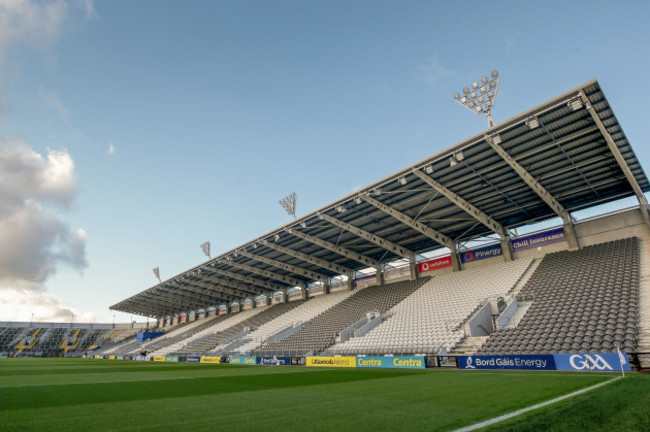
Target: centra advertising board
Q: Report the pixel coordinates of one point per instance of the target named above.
(411, 362)
(243, 360)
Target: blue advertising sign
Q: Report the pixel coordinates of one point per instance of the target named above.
(528, 362)
(601, 362)
(193, 359)
(275, 361)
(171, 358)
(412, 362)
(243, 360)
(539, 239)
(481, 253)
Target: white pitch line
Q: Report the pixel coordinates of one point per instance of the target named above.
(513, 414)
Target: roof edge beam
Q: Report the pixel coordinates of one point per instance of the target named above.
(619, 157)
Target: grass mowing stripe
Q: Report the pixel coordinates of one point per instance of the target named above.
(147, 379)
(522, 411)
(76, 394)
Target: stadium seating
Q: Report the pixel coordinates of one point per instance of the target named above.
(582, 301)
(236, 325)
(301, 314)
(321, 332)
(431, 318)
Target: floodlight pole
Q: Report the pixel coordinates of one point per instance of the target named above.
(288, 203)
(481, 97)
(205, 247)
(156, 272)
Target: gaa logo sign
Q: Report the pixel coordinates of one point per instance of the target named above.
(589, 362)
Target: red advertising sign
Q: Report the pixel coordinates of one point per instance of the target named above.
(434, 264)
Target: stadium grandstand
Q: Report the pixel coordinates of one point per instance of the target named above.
(475, 249)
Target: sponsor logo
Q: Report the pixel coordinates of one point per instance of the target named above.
(362, 361)
(534, 362)
(539, 239)
(159, 358)
(481, 253)
(589, 362)
(275, 361)
(416, 362)
(332, 361)
(434, 264)
(410, 363)
(212, 360)
(111, 357)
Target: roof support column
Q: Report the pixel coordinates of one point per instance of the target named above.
(545, 195)
(413, 268)
(506, 247)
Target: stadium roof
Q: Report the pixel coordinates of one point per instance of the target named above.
(566, 154)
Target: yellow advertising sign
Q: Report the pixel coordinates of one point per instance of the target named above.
(211, 360)
(111, 357)
(332, 361)
(159, 358)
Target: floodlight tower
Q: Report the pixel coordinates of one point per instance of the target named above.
(205, 247)
(156, 272)
(288, 203)
(481, 97)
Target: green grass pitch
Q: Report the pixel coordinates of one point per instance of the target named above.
(88, 394)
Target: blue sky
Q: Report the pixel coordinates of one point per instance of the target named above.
(187, 121)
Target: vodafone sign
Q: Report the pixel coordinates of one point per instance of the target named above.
(434, 264)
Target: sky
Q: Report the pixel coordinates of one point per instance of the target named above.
(133, 131)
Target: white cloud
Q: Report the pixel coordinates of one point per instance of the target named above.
(20, 304)
(111, 149)
(34, 243)
(434, 72)
(36, 24)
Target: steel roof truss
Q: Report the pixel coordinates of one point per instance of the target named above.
(266, 273)
(286, 267)
(468, 207)
(373, 238)
(341, 250)
(336, 268)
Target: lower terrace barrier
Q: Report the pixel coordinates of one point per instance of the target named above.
(595, 362)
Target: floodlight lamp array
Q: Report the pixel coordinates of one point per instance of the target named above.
(481, 97)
